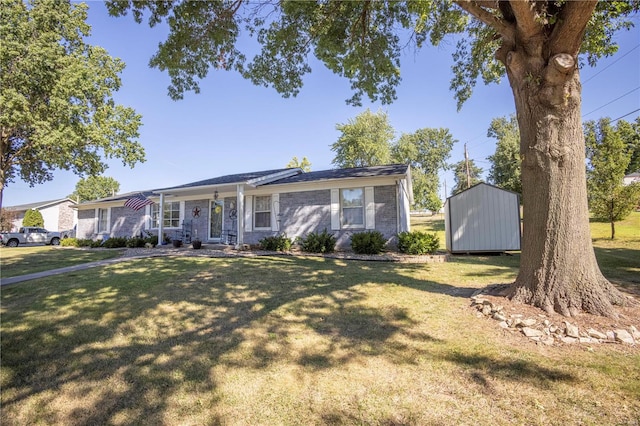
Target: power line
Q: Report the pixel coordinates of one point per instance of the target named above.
(608, 66)
(629, 113)
(609, 103)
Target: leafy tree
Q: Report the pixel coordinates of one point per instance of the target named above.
(630, 133)
(460, 176)
(33, 217)
(427, 151)
(305, 164)
(365, 141)
(535, 43)
(95, 187)
(6, 219)
(505, 162)
(608, 158)
(57, 107)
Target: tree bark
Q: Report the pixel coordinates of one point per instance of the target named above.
(558, 269)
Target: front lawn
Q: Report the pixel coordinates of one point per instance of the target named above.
(27, 260)
(293, 341)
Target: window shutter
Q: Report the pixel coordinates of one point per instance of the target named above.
(275, 212)
(370, 208)
(95, 221)
(147, 216)
(335, 209)
(248, 213)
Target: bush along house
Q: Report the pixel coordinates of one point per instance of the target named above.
(244, 208)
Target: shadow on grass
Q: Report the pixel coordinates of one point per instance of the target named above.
(129, 337)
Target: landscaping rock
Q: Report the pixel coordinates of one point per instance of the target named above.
(529, 322)
(503, 324)
(624, 336)
(547, 340)
(596, 334)
(571, 330)
(635, 333)
(532, 332)
(499, 316)
(568, 340)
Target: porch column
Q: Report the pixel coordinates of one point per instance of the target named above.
(240, 210)
(161, 220)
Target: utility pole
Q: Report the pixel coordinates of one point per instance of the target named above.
(466, 161)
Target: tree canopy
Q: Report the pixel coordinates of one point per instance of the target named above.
(505, 162)
(368, 140)
(303, 164)
(630, 134)
(94, 187)
(460, 176)
(427, 151)
(608, 157)
(56, 105)
(365, 141)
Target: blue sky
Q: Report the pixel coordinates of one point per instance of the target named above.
(233, 126)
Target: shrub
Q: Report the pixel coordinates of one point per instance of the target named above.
(136, 242)
(95, 244)
(115, 242)
(417, 242)
(322, 242)
(33, 218)
(69, 242)
(84, 242)
(276, 243)
(368, 242)
(152, 239)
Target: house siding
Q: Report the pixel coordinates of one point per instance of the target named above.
(305, 212)
(126, 222)
(86, 226)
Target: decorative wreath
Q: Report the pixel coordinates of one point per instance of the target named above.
(233, 213)
(195, 212)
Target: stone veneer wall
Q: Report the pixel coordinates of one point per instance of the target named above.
(66, 216)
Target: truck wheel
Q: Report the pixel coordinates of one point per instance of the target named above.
(12, 243)
(55, 241)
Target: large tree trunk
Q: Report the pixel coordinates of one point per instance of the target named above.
(558, 268)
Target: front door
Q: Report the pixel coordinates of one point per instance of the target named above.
(215, 220)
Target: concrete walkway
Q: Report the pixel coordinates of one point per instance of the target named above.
(42, 274)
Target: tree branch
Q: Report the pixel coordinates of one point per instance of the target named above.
(526, 19)
(569, 31)
(473, 8)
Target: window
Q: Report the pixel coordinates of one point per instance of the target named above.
(262, 212)
(171, 215)
(352, 207)
(103, 220)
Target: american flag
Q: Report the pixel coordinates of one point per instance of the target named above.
(137, 202)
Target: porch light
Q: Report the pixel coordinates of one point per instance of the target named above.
(215, 195)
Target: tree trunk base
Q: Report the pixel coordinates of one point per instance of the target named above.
(596, 298)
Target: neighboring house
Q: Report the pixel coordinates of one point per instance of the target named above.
(244, 208)
(631, 178)
(483, 218)
(59, 215)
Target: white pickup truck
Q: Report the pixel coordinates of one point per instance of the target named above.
(30, 235)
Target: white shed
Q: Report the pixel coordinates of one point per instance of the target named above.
(483, 218)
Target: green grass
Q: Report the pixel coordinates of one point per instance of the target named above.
(291, 341)
(298, 341)
(27, 260)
